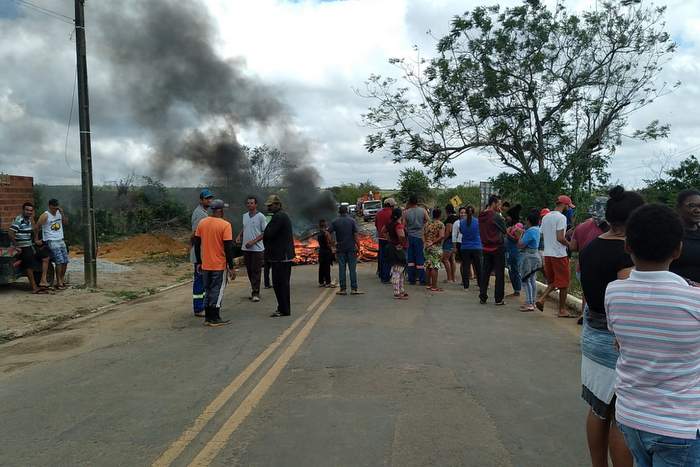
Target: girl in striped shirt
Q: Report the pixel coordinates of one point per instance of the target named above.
(655, 317)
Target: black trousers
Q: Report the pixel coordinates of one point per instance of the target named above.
(469, 258)
(281, 277)
(493, 262)
(266, 274)
(253, 266)
(324, 271)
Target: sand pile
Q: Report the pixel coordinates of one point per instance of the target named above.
(142, 246)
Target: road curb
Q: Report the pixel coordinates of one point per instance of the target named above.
(55, 323)
(572, 301)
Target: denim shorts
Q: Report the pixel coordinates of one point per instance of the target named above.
(652, 450)
(59, 252)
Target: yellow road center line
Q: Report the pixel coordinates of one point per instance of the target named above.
(221, 438)
(179, 445)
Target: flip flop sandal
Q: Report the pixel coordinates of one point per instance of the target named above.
(400, 297)
(437, 289)
(567, 316)
(41, 291)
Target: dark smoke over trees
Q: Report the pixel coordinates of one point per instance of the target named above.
(193, 104)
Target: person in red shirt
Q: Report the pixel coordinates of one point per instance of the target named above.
(382, 219)
(213, 248)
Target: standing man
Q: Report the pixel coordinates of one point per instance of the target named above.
(251, 236)
(492, 228)
(415, 218)
(22, 236)
(199, 213)
(279, 252)
(556, 258)
(382, 220)
(51, 223)
(347, 245)
(213, 248)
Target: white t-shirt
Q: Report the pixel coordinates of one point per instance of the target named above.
(456, 234)
(253, 227)
(550, 224)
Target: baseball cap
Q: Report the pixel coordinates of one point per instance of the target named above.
(273, 199)
(563, 199)
(217, 204)
(544, 212)
(390, 202)
(206, 193)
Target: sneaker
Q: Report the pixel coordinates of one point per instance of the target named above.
(501, 303)
(268, 286)
(277, 314)
(200, 314)
(217, 323)
(357, 292)
(341, 292)
(482, 302)
(255, 299)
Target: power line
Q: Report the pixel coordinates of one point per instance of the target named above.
(70, 118)
(51, 13)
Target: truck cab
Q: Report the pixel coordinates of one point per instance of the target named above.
(370, 209)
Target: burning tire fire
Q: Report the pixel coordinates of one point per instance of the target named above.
(307, 250)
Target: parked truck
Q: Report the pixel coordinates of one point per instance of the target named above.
(368, 205)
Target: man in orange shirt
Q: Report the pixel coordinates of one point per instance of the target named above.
(213, 248)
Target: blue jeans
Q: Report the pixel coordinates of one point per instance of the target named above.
(384, 266)
(416, 260)
(347, 258)
(530, 286)
(197, 292)
(652, 450)
(514, 270)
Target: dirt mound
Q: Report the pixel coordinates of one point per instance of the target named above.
(142, 246)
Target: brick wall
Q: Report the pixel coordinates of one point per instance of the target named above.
(14, 191)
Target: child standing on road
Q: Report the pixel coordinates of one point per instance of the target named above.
(655, 317)
(325, 255)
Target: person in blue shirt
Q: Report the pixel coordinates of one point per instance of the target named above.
(530, 260)
(470, 249)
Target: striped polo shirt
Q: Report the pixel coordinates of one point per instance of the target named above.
(655, 317)
(24, 231)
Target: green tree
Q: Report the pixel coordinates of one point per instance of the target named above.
(545, 93)
(349, 192)
(683, 177)
(469, 194)
(414, 182)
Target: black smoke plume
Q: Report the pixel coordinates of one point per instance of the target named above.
(193, 104)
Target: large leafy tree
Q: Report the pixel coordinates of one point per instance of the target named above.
(546, 93)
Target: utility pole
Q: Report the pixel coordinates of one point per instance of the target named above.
(89, 237)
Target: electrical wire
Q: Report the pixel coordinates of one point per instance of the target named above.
(53, 14)
(70, 119)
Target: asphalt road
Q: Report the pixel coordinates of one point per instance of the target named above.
(346, 381)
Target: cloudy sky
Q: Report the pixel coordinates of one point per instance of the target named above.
(311, 54)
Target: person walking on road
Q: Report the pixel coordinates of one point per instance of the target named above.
(434, 235)
(199, 213)
(380, 222)
(492, 228)
(51, 223)
(414, 219)
(325, 255)
(470, 247)
(603, 261)
(347, 246)
(213, 248)
(556, 256)
(250, 239)
(655, 318)
(279, 252)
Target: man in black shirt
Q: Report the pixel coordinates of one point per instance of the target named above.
(278, 239)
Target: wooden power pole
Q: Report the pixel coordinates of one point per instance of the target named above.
(89, 237)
